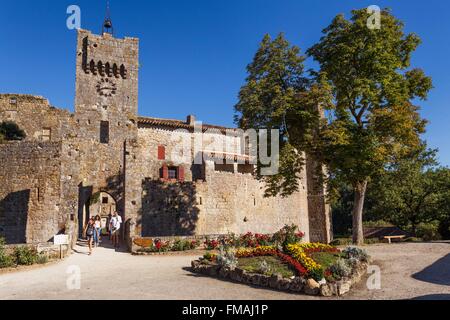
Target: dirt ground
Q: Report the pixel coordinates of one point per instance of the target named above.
(408, 271)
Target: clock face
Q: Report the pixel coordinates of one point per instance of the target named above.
(106, 87)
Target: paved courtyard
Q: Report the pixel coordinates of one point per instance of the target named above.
(418, 271)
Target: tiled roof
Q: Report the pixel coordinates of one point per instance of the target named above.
(177, 124)
(225, 155)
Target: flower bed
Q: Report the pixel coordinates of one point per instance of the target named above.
(287, 234)
(319, 268)
(160, 246)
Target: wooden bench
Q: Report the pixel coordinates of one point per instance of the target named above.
(389, 238)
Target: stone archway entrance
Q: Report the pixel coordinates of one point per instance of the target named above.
(102, 204)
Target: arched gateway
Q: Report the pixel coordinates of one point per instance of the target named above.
(100, 204)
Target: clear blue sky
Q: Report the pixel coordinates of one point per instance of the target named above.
(194, 53)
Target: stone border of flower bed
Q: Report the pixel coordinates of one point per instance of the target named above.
(276, 282)
(169, 253)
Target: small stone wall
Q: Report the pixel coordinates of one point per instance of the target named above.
(276, 282)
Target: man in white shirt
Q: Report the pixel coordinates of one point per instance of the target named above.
(114, 226)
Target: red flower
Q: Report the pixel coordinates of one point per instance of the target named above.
(212, 244)
(294, 263)
(300, 235)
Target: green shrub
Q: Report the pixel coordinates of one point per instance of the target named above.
(227, 259)
(349, 241)
(209, 256)
(183, 245)
(178, 245)
(42, 259)
(25, 256)
(6, 260)
(356, 253)
(371, 241)
(428, 231)
(317, 274)
(341, 242)
(287, 235)
(376, 224)
(341, 269)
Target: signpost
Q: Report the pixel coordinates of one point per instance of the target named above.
(60, 240)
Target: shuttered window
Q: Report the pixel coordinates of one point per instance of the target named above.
(161, 153)
(172, 173)
(181, 174)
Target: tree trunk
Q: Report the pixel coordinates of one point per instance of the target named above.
(360, 194)
(414, 227)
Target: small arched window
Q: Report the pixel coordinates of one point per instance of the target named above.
(108, 70)
(123, 71)
(93, 67)
(115, 70)
(100, 68)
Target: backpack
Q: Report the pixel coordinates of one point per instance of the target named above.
(90, 230)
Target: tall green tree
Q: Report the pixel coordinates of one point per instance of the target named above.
(373, 119)
(278, 95)
(411, 191)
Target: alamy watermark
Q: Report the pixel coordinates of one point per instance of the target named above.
(374, 280)
(374, 21)
(73, 282)
(227, 146)
(74, 20)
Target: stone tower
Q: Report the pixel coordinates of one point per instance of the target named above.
(106, 102)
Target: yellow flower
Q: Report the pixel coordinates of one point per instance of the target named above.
(298, 252)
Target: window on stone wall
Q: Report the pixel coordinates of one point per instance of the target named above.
(173, 173)
(105, 200)
(161, 153)
(13, 100)
(46, 134)
(104, 132)
(247, 146)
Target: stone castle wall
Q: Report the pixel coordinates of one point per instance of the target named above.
(30, 192)
(35, 116)
(66, 159)
(215, 202)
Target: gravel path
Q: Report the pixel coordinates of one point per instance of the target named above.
(408, 271)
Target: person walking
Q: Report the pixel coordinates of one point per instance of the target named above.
(115, 224)
(90, 232)
(98, 227)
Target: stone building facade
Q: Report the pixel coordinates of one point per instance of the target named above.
(105, 157)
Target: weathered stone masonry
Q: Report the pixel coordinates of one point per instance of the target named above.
(34, 199)
(51, 182)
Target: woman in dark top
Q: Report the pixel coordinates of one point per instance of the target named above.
(90, 232)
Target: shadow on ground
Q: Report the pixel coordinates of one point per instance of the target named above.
(437, 273)
(105, 243)
(434, 297)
